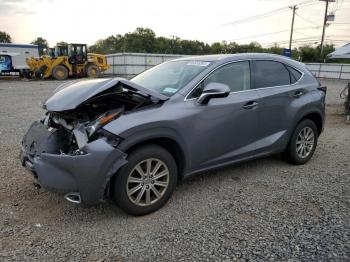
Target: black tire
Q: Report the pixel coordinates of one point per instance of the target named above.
(291, 152)
(27, 74)
(93, 71)
(120, 185)
(39, 74)
(60, 72)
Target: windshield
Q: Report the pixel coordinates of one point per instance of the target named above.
(169, 77)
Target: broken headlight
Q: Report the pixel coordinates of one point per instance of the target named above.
(109, 137)
(102, 120)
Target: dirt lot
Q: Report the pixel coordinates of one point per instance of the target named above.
(261, 210)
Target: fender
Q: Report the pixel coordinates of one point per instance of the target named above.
(144, 135)
(304, 112)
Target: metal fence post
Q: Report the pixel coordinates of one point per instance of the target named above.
(113, 65)
(341, 71)
(319, 70)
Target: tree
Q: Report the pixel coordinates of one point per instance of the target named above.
(327, 49)
(42, 44)
(144, 40)
(275, 49)
(5, 37)
(141, 40)
(60, 43)
(309, 54)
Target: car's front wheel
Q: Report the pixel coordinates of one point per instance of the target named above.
(303, 143)
(146, 182)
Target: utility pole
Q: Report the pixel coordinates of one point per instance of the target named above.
(294, 8)
(324, 25)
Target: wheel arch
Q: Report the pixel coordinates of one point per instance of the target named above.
(167, 138)
(316, 117)
(168, 143)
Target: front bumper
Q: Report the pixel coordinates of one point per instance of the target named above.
(87, 174)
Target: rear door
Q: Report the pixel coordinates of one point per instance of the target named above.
(276, 84)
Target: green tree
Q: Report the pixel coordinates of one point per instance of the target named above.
(5, 37)
(309, 54)
(275, 49)
(42, 44)
(61, 43)
(144, 40)
(327, 49)
(218, 48)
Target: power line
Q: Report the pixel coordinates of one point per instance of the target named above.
(306, 19)
(302, 33)
(295, 40)
(276, 32)
(308, 38)
(339, 29)
(303, 40)
(263, 15)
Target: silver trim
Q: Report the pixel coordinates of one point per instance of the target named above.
(242, 60)
(73, 197)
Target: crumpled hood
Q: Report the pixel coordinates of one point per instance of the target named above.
(70, 95)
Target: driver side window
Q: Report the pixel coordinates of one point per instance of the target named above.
(235, 75)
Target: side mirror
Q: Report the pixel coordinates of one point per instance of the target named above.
(213, 90)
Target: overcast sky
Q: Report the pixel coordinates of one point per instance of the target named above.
(86, 21)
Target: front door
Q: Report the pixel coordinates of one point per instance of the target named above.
(224, 130)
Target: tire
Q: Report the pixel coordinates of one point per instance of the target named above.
(39, 74)
(60, 72)
(93, 71)
(128, 179)
(300, 150)
(27, 74)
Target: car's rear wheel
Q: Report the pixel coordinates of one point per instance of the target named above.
(146, 182)
(303, 143)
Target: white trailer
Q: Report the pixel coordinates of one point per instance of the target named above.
(13, 56)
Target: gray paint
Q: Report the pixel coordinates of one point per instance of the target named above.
(222, 132)
(87, 174)
(70, 96)
(219, 133)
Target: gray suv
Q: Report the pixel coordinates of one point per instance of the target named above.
(132, 141)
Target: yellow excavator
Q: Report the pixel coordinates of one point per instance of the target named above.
(71, 60)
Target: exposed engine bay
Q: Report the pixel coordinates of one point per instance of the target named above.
(81, 125)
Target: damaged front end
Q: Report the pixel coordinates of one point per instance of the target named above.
(68, 151)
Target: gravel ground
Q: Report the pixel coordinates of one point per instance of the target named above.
(258, 211)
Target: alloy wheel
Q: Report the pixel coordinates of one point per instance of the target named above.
(305, 142)
(147, 182)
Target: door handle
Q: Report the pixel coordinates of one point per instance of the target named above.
(298, 94)
(250, 105)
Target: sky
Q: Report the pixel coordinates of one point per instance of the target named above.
(85, 21)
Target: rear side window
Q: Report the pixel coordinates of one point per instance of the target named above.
(295, 75)
(270, 73)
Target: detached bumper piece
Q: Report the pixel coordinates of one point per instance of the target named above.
(86, 174)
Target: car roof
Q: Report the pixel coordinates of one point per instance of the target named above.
(241, 56)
